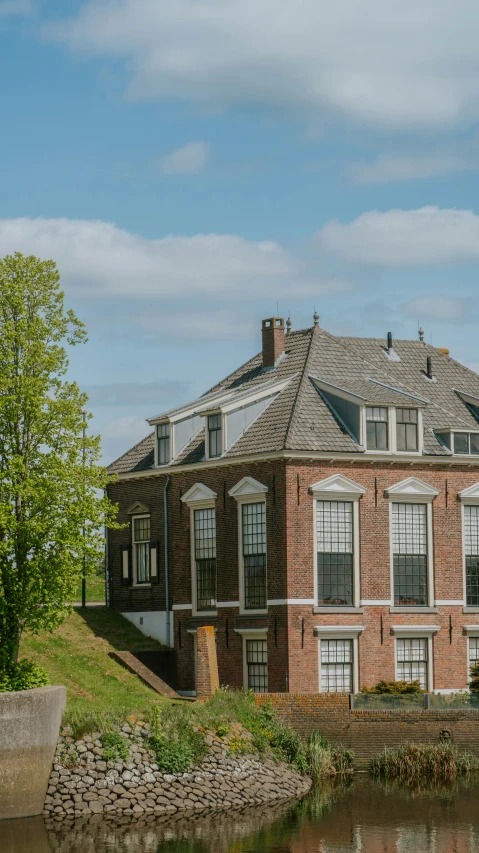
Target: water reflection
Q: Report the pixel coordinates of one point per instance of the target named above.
(360, 817)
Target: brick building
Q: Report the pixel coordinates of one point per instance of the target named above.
(319, 508)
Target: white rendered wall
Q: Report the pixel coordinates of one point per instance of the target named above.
(152, 623)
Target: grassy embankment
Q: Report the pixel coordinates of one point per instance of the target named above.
(77, 655)
(95, 589)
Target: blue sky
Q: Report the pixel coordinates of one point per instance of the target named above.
(191, 165)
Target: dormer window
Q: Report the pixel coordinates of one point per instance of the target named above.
(466, 443)
(377, 428)
(215, 435)
(407, 429)
(163, 439)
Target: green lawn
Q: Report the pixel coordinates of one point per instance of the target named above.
(77, 655)
(95, 589)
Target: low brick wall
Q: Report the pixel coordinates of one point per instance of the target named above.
(368, 732)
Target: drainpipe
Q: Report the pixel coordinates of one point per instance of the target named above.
(167, 580)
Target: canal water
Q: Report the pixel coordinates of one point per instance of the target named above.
(360, 817)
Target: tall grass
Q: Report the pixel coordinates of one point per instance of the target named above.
(326, 759)
(412, 763)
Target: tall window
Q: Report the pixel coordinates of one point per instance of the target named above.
(409, 533)
(377, 428)
(471, 548)
(473, 651)
(205, 558)
(412, 660)
(163, 437)
(215, 433)
(407, 429)
(334, 527)
(141, 548)
(336, 666)
(254, 554)
(257, 665)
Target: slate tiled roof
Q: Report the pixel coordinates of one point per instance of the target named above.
(300, 418)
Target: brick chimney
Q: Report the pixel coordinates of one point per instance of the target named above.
(273, 340)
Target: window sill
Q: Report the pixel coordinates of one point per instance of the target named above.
(470, 609)
(333, 609)
(413, 609)
(141, 586)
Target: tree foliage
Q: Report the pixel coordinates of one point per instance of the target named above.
(474, 682)
(52, 506)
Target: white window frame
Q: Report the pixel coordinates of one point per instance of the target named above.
(198, 497)
(392, 434)
(251, 634)
(248, 491)
(413, 632)
(134, 518)
(207, 433)
(413, 491)
(472, 632)
(343, 490)
(468, 497)
(340, 632)
(157, 463)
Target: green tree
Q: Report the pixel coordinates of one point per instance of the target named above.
(52, 505)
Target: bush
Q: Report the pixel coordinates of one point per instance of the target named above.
(413, 762)
(474, 682)
(327, 759)
(394, 687)
(176, 743)
(24, 675)
(115, 747)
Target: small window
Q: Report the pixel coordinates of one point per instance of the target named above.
(466, 443)
(141, 547)
(205, 558)
(336, 666)
(473, 651)
(257, 665)
(407, 429)
(254, 555)
(471, 550)
(215, 438)
(163, 437)
(412, 660)
(334, 531)
(377, 428)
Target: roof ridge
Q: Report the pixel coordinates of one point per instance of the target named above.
(304, 376)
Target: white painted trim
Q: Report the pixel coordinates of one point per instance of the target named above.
(412, 490)
(273, 602)
(199, 493)
(415, 630)
(248, 487)
(450, 603)
(320, 455)
(340, 632)
(226, 604)
(471, 630)
(470, 495)
(337, 487)
(384, 602)
(139, 509)
(182, 607)
(195, 408)
(412, 632)
(134, 574)
(273, 389)
(339, 498)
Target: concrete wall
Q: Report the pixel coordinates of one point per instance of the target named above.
(29, 726)
(152, 623)
(368, 732)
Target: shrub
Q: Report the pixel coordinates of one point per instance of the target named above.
(394, 687)
(413, 762)
(327, 759)
(175, 741)
(24, 675)
(115, 747)
(474, 682)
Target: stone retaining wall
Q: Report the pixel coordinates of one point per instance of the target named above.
(82, 783)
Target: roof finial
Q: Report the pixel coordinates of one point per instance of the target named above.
(288, 325)
(315, 318)
(421, 334)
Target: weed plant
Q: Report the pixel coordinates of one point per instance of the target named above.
(414, 763)
(115, 747)
(326, 759)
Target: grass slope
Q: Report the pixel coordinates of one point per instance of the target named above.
(77, 655)
(95, 589)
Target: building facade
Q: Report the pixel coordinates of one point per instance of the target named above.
(320, 508)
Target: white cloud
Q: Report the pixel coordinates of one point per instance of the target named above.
(119, 435)
(127, 394)
(390, 168)
(439, 308)
(98, 259)
(401, 238)
(187, 160)
(413, 63)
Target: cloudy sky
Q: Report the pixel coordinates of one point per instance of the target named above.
(196, 165)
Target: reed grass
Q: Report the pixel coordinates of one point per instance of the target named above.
(413, 763)
(327, 759)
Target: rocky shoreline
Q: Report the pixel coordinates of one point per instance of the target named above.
(83, 783)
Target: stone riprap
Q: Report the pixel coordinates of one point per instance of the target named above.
(83, 783)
